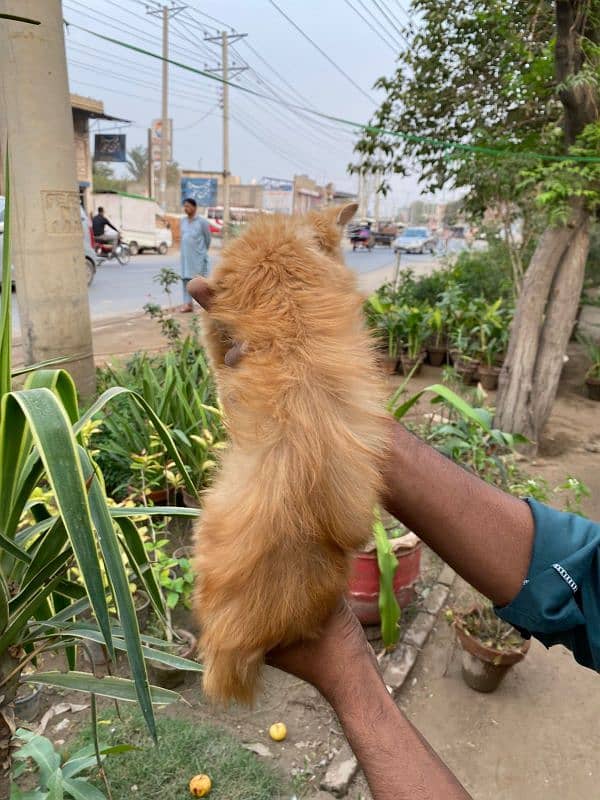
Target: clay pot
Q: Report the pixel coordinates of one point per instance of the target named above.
(488, 377)
(484, 668)
(467, 370)
(141, 602)
(169, 677)
(187, 551)
(27, 701)
(593, 388)
(363, 587)
(437, 355)
(188, 500)
(388, 363)
(410, 364)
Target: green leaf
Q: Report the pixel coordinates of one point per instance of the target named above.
(4, 601)
(41, 750)
(161, 429)
(389, 609)
(82, 789)
(140, 564)
(61, 383)
(86, 758)
(55, 786)
(57, 448)
(154, 511)
(109, 545)
(5, 304)
(116, 688)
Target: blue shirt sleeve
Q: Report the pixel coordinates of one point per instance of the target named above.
(559, 602)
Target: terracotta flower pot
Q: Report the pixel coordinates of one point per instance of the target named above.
(467, 370)
(170, 677)
(363, 587)
(409, 364)
(483, 667)
(437, 355)
(593, 388)
(488, 377)
(388, 363)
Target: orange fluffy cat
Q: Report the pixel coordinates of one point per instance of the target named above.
(304, 410)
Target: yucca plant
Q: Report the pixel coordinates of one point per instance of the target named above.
(43, 535)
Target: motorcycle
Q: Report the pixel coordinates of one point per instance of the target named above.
(115, 249)
(362, 237)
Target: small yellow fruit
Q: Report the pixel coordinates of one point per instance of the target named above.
(200, 785)
(278, 731)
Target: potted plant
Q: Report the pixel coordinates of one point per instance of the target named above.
(384, 574)
(384, 318)
(592, 376)
(176, 580)
(490, 646)
(465, 363)
(412, 319)
(437, 345)
(492, 324)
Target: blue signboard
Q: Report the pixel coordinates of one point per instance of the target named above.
(277, 185)
(109, 147)
(203, 190)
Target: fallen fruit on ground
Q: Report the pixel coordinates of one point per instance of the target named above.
(200, 785)
(278, 731)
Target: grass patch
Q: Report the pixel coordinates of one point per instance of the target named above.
(184, 749)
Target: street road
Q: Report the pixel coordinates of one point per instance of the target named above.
(123, 290)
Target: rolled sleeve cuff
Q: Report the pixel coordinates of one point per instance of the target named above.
(559, 602)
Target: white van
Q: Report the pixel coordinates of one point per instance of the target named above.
(136, 217)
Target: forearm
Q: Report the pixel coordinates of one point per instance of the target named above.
(397, 762)
(486, 535)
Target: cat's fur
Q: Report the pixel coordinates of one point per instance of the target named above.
(304, 410)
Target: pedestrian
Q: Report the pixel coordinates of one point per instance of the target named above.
(195, 241)
(99, 225)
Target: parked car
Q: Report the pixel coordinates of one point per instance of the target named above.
(414, 240)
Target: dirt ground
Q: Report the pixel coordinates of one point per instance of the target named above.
(535, 738)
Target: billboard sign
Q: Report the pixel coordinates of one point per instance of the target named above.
(203, 190)
(278, 195)
(109, 147)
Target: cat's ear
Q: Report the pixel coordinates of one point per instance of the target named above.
(201, 291)
(346, 213)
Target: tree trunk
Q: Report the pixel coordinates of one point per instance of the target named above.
(541, 330)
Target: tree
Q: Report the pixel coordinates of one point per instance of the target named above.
(492, 76)
(104, 179)
(137, 164)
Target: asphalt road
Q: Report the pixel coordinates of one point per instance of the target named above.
(123, 290)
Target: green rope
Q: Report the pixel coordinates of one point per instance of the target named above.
(408, 137)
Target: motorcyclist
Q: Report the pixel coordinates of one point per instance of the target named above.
(99, 225)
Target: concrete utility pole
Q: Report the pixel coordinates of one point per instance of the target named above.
(150, 165)
(225, 38)
(47, 236)
(166, 12)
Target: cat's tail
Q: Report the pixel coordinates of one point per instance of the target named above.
(231, 675)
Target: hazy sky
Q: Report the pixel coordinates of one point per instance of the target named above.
(266, 139)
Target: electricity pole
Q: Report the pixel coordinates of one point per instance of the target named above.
(166, 12)
(226, 73)
(47, 236)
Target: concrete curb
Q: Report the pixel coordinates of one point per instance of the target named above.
(344, 766)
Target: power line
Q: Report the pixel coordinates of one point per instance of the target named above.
(145, 84)
(390, 12)
(320, 50)
(268, 144)
(368, 22)
(398, 30)
(198, 121)
(444, 144)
